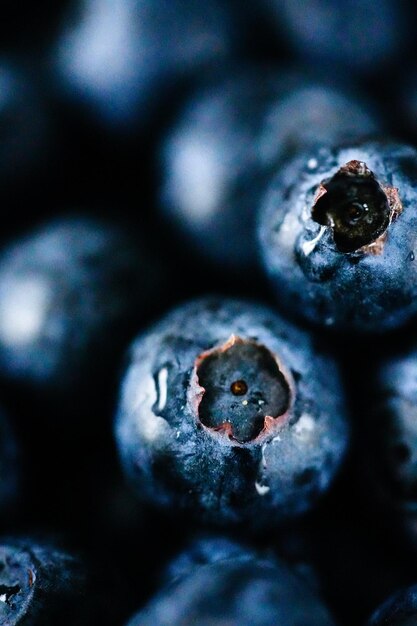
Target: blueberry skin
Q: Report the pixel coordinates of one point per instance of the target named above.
(175, 461)
(399, 610)
(237, 592)
(68, 291)
(391, 444)
(222, 150)
(371, 289)
(363, 37)
(40, 585)
(120, 56)
(205, 549)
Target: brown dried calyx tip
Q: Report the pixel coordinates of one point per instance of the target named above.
(240, 390)
(357, 208)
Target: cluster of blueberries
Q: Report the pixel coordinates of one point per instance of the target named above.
(208, 335)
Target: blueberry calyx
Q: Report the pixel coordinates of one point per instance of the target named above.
(357, 208)
(7, 592)
(241, 390)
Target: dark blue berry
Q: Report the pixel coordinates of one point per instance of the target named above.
(337, 232)
(228, 412)
(203, 550)
(240, 591)
(119, 57)
(390, 447)
(362, 37)
(40, 586)
(67, 293)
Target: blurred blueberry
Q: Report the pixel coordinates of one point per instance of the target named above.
(238, 591)
(204, 549)
(232, 133)
(361, 36)
(390, 447)
(68, 292)
(120, 56)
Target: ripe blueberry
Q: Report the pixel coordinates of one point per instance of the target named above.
(240, 591)
(363, 37)
(391, 442)
(67, 293)
(189, 441)
(39, 586)
(120, 56)
(337, 232)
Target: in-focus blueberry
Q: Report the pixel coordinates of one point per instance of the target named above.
(238, 591)
(229, 137)
(40, 586)
(119, 57)
(338, 236)
(231, 414)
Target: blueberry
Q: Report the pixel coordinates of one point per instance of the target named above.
(363, 37)
(237, 591)
(231, 414)
(119, 57)
(223, 148)
(391, 443)
(337, 232)
(40, 585)
(68, 291)
(399, 610)
(204, 549)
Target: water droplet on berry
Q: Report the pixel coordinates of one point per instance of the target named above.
(239, 388)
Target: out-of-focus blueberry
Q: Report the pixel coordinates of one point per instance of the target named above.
(399, 610)
(338, 236)
(390, 447)
(68, 292)
(40, 585)
(228, 139)
(203, 550)
(120, 56)
(230, 413)
(363, 36)
(238, 591)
